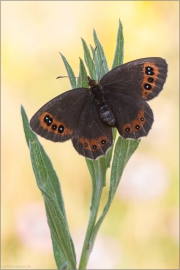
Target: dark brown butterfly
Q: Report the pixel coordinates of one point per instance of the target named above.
(87, 115)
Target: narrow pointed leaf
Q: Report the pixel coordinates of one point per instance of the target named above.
(54, 186)
(102, 62)
(70, 72)
(82, 79)
(58, 254)
(89, 60)
(64, 266)
(119, 52)
(49, 185)
(56, 220)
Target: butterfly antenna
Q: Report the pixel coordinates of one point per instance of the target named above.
(59, 77)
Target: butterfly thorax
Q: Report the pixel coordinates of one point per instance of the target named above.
(104, 110)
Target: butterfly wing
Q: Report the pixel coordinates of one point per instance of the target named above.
(126, 90)
(142, 79)
(73, 115)
(92, 137)
(58, 119)
(133, 117)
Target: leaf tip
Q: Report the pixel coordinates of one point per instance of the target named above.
(94, 32)
(22, 108)
(61, 55)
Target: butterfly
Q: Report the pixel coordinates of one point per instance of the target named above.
(87, 116)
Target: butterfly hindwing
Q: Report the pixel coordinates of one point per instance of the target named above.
(133, 118)
(93, 137)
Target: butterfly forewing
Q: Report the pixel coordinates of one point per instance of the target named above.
(58, 119)
(142, 79)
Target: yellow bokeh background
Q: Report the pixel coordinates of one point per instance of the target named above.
(141, 230)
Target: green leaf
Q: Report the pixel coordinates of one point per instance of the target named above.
(64, 266)
(122, 153)
(82, 79)
(58, 254)
(70, 72)
(89, 60)
(97, 168)
(100, 59)
(119, 52)
(29, 135)
(54, 184)
(49, 185)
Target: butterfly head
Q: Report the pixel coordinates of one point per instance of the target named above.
(91, 82)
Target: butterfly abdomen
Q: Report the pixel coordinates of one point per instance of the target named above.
(106, 114)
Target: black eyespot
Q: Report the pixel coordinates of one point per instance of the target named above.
(103, 141)
(49, 121)
(86, 145)
(147, 86)
(61, 129)
(54, 127)
(46, 118)
(142, 119)
(137, 127)
(127, 129)
(150, 79)
(94, 146)
(148, 68)
(149, 72)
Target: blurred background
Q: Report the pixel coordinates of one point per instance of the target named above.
(141, 230)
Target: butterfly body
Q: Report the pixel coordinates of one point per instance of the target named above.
(87, 115)
(104, 110)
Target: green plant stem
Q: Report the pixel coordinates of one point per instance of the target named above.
(98, 185)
